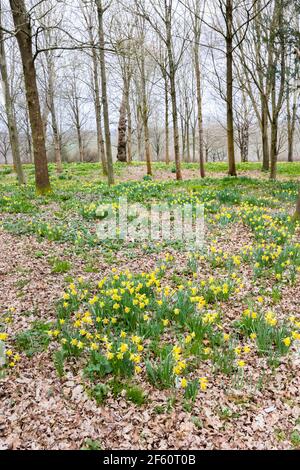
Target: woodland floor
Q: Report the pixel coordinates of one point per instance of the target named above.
(40, 410)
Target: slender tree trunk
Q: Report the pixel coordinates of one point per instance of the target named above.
(24, 37)
(194, 143)
(172, 71)
(291, 124)
(11, 122)
(129, 126)
(183, 141)
(109, 158)
(80, 144)
(56, 137)
(167, 132)
(145, 116)
(273, 156)
(97, 104)
(265, 137)
(122, 128)
(139, 132)
(199, 109)
(297, 213)
(188, 148)
(229, 89)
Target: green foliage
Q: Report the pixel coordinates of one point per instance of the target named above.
(34, 340)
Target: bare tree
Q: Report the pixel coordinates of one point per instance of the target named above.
(100, 13)
(9, 108)
(23, 32)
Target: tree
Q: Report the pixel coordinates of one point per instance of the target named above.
(161, 17)
(88, 13)
(100, 13)
(23, 33)
(196, 26)
(9, 109)
(297, 213)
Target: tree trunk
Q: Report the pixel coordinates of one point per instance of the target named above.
(244, 142)
(11, 122)
(264, 136)
(167, 132)
(80, 143)
(129, 127)
(145, 116)
(56, 136)
(110, 168)
(297, 213)
(291, 123)
(188, 148)
(139, 132)
(273, 156)
(97, 104)
(172, 72)
(229, 90)
(122, 128)
(24, 37)
(199, 110)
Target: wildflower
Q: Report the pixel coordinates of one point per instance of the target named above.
(226, 337)
(203, 382)
(123, 347)
(94, 347)
(296, 335)
(183, 383)
(287, 341)
(253, 335)
(137, 369)
(241, 364)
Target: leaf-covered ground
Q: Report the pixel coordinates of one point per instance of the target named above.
(241, 334)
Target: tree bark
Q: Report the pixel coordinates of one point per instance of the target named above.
(265, 137)
(109, 158)
(129, 130)
(199, 110)
(24, 38)
(97, 104)
(297, 213)
(229, 89)
(11, 122)
(145, 116)
(172, 72)
(122, 128)
(167, 132)
(56, 136)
